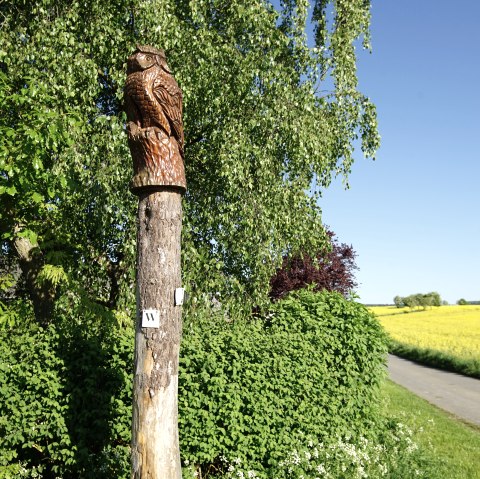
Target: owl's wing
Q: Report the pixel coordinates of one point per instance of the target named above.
(169, 95)
(130, 107)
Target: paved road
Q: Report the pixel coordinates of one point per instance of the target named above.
(452, 392)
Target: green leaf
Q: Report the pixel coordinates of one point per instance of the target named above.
(37, 197)
(11, 190)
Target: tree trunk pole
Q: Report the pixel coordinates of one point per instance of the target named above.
(155, 444)
(153, 103)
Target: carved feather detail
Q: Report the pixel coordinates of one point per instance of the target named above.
(153, 103)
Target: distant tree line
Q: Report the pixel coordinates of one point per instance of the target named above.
(464, 302)
(418, 300)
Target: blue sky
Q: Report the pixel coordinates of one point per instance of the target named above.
(412, 215)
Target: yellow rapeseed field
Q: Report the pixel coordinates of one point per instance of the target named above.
(454, 330)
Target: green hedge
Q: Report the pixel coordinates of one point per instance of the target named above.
(65, 399)
(253, 391)
(436, 359)
(250, 391)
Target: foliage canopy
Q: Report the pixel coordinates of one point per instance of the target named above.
(259, 132)
(332, 270)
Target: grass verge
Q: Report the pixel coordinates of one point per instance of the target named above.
(452, 446)
(436, 359)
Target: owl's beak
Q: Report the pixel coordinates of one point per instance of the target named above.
(132, 65)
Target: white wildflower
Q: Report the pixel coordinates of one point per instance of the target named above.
(296, 458)
(411, 446)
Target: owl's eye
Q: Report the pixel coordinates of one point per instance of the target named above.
(148, 58)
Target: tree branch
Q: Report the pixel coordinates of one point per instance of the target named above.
(31, 262)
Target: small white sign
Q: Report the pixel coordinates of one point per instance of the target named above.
(179, 296)
(150, 318)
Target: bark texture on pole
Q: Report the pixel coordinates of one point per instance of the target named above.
(156, 453)
(153, 103)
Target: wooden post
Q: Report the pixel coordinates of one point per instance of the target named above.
(155, 133)
(155, 444)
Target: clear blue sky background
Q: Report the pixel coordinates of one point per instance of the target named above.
(412, 215)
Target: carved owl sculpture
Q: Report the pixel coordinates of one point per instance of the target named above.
(153, 103)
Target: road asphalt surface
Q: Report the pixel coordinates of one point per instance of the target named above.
(457, 394)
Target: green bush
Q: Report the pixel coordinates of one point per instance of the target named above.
(65, 398)
(436, 359)
(250, 391)
(393, 454)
